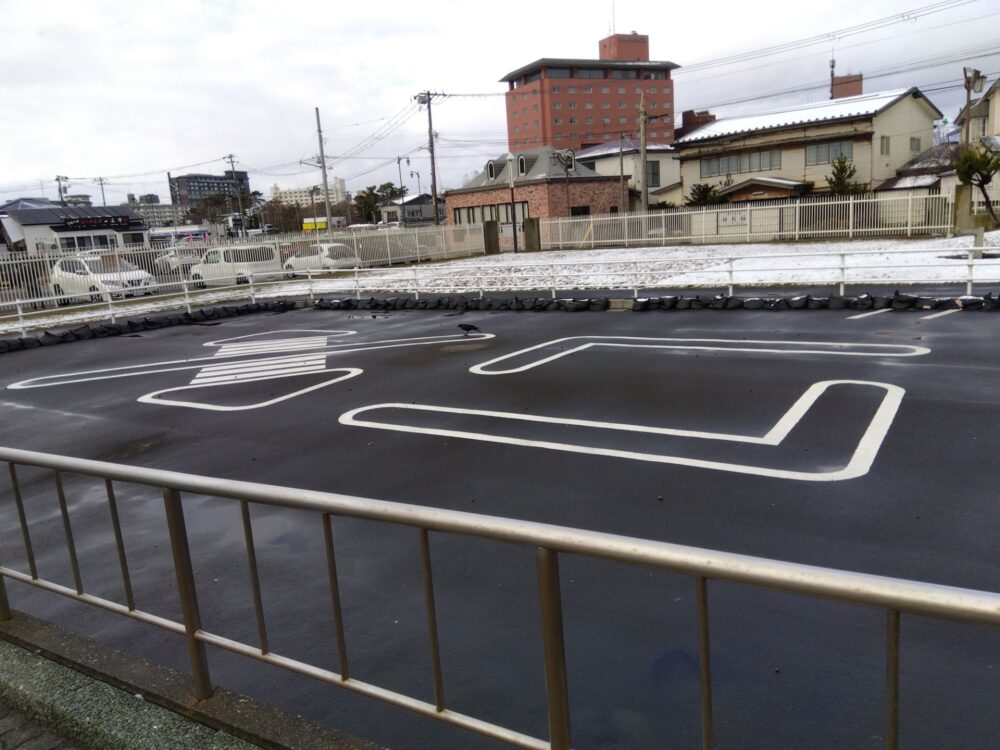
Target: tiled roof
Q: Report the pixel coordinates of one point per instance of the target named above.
(540, 164)
(847, 108)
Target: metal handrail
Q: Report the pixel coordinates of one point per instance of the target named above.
(894, 595)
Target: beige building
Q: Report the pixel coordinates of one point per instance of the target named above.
(984, 115)
(301, 196)
(789, 152)
(617, 158)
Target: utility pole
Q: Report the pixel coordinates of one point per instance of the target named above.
(425, 98)
(101, 181)
(974, 81)
(60, 179)
(236, 184)
(621, 173)
(402, 206)
(642, 154)
(322, 165)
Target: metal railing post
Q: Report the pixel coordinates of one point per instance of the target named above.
(843, 272)
(730, 290)
(5, 613)
(892, 680)
(111, 309)
(253, 294)
(968, 283)
(187, 296)
(850, 216)
(552, 280)
(309, 277)
(432, 628)
(416, 285)
(705, 663)
(798, 218)
(635, 279)
(186, 592)
(20, 319)
(357, 283)
(554, 648)
(909, 213)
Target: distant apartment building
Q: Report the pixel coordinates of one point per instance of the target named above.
(160, 214)
(301, 196)
(574, 104)
(188, 190)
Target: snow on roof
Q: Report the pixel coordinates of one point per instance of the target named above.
(611, 148)
(916, 181)
(848, 107)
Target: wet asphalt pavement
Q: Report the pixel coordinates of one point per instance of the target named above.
(790, 672)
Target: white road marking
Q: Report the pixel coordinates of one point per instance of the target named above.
(939, 314)
(723, 345)
(869, 313)
(155, 397)
(196, 363)
(858, 465)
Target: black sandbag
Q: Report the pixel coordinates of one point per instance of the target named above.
(881, 303)
(433, 304)
(551, 305)
(970, 303)
(474, 303)
(778, 303)
(409, 304)
(948, 303)
(578, 306)
(862, 302)
(683, 303)
(232, 310)
(4, 347)
(486, 303)
(667, 303)
(798, 303)
(82, 333)
(503, 305)
(541, 304)
(718, 302)
(733, 303)
(903, 301)
(922, 303)
(818, 303)
(753, 303)
(172, 320)
(50, 339)
(700, 303)
(400, 303)
(640, 304)
(13, 345)
(136, 325)
(838, 302)
(153, 323)
(597, 304)
(29, 342)
(420, 304)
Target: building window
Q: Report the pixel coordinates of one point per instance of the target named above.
(755, 161)
(604, 89)
(605, 120)
(571, 89)
(491, 171)
(590, 120)
(67, 243)
(622, 120)
(590, 136)
(605, 105)
(558, 121)
(555, 89)
(517, 129)
(666, 89)
(588, 105)
(651, 105)
(557, 73)
(653, 134)
(622, 105)
(572, 121)
(915, 145)
(588, 89)
(571, 105)
(521, 166)
(558, 136)
(589, 73)
(624, 75)
(638, 89)
(652, 174)
(621, 89)
(825, 153)
(534, 107)
(883, 145)
(556, 105)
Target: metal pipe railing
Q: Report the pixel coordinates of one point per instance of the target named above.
(896, 596)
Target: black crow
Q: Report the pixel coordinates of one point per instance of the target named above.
(467, 327)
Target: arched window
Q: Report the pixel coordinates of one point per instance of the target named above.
(521, 166)
(491, 171)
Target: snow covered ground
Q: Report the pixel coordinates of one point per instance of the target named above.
(936, 261)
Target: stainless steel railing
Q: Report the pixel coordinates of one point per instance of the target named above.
(896, 596)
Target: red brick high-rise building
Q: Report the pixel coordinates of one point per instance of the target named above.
(578, 103)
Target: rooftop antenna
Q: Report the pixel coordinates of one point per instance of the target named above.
(833, 65)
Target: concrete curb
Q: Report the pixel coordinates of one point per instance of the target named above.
(105, 699)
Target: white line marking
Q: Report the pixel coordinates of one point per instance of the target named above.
(869, 313)
(940, 314)
(259, 363)
(264, 334)
(197, 363)
(858, 465)
(154, 398)
(266, 374)
(722, 345)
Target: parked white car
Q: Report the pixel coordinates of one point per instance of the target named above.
(322, 257)
(98, 277)
(239, 264)
(177, 260)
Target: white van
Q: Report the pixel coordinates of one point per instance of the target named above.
(237, 265)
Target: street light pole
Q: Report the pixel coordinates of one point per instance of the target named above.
(974, 80)
(513, 206)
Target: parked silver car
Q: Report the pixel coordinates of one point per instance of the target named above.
(322, 257)
(96, 278)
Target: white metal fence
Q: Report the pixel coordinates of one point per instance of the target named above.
(907, 214)
(979, 203)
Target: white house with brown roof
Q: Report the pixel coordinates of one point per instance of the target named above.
(789, 152)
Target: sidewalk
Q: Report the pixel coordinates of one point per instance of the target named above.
(17, 732)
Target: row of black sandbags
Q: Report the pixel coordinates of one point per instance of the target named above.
(133, 325)
(539, 304)
(806, 302)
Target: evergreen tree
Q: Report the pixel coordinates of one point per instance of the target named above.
(976, 166)
(840, 180)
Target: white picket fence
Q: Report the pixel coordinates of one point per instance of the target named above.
(907, 214)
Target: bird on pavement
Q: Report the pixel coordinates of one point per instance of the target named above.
(467, 327)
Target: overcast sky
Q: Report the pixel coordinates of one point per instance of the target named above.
(128, 90)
